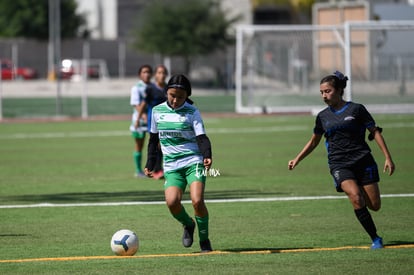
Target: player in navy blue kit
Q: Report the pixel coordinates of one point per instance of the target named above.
(351, 164)
(155, 93)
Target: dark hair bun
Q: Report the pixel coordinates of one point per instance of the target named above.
(342, 79)
(179, 81)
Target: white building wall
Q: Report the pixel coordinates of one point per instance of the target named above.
(101, 17)
(233, 8)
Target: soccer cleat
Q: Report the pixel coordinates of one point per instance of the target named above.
(205, 246)
(188, 235)
(140, 175)
(377, 243)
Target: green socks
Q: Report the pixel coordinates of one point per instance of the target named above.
(202, 223)
(138, 160)
(183, 217)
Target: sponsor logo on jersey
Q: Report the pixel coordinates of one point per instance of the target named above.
(182, 118)
(170, 134)
(349, 118)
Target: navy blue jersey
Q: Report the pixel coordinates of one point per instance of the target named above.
(344, 131)
(154, 95)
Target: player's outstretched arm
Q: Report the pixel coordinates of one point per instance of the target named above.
(389, 165)
(309, 147)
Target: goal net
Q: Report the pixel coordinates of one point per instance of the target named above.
(278, 68)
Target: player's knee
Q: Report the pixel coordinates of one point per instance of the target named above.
(356, 200)
(173, 202)
(198, 203)
(375, 206)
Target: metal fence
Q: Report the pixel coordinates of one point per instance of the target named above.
(278, 68)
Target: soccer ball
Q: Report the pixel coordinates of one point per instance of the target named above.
(124, 243)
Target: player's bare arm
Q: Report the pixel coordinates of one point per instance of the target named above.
(141, 112)
(389, 165)
(309, 147)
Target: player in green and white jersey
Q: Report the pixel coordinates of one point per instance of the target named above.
(177, 125)
(139, 126)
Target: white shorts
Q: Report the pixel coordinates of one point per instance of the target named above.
(143, 127)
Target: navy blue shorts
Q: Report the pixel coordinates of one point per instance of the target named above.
(364, 172)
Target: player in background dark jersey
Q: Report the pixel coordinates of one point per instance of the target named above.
(351, 164)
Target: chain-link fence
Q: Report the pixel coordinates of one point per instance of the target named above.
(278, 68)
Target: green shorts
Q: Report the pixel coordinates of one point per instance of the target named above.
(185, 176)
(139, 135)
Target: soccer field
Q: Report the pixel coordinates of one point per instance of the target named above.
(66, 187)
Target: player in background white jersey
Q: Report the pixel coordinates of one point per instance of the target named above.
(155, 94)
(139, 126)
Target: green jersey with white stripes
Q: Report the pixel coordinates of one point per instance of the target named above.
(177, 130)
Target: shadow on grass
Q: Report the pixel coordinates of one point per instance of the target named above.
(127, 196)
(267, 249)
(272, 250)
(13, 235)
(397, 243)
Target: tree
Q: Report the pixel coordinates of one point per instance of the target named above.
(29, 18)
(184, 28)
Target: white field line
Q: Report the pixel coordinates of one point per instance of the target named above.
(126, 133)
(270, 129)
(272, 199)
(65, 135)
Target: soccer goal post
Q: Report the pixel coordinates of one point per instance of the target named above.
(278, 68)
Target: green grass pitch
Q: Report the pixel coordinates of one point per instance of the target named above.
(91, 162)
